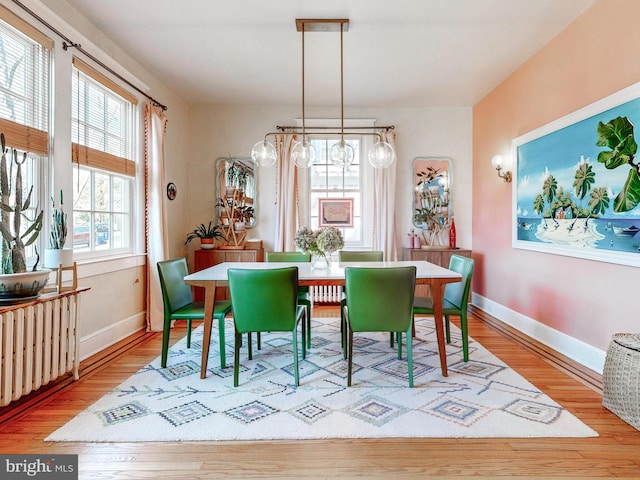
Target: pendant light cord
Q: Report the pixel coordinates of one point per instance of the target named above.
(303, 120)
(341, 88)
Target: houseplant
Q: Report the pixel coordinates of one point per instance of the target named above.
(16, 283)
(207, 234)
(56, 254)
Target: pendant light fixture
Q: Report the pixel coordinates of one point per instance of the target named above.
(341, 153)
(303, 152)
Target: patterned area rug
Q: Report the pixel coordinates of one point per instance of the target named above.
(480, 398)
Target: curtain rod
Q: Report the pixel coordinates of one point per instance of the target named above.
(382, 127)
(68, 43)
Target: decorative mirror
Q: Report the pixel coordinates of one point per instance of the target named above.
(433, 208)
(236, 197)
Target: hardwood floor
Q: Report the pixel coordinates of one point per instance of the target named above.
(615, 453)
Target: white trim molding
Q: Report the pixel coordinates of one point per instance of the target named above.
(577, 350)
(99, 340)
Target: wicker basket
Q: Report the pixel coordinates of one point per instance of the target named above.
(621, 378)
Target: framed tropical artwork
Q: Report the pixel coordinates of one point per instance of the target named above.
(577, 183)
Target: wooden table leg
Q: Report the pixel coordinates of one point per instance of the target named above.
(209, 305)
(437, 292)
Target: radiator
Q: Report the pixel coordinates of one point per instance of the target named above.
(326, 293)
(38, 343)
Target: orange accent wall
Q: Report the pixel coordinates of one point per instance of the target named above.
(595, 56)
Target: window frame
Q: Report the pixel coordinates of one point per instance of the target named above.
(92, 162)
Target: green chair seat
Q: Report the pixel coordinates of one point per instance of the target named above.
(355, 256)
(304, 296)
(380, 300)
(179, 305)
(265, 300)
(454, 302)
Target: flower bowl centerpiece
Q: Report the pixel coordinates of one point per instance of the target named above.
(319, 243)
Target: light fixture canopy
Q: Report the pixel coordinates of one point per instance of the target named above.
(498, 163)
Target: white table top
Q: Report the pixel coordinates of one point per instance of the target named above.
(335, 272)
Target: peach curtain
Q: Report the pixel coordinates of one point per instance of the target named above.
(155, 126)
(384, 205)
(287, 211)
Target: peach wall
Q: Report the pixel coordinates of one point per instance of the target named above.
(591, 59)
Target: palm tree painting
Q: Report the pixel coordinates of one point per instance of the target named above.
(578, 186)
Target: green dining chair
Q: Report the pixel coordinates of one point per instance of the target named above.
(380, 300)
(355, 256)
(304, 297)
(266, 300)
(179, 305)
(454, 302)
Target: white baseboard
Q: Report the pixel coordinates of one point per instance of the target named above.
(577, 350)
(105, 337)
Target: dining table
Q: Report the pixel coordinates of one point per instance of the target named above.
(426, 273)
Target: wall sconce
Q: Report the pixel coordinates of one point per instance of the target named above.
(498, 163)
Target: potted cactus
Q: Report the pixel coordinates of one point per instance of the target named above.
(16, 283)
(56, 255)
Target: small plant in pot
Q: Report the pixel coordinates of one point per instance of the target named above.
(56, 254)
(208, 234)
(16, 283)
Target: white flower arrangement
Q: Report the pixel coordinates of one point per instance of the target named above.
(319, 242)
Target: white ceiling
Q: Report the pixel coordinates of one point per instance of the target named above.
(397, 53)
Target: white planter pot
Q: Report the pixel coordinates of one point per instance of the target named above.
(53, 258)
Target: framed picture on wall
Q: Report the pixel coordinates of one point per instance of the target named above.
(335, 212)
(577, 183)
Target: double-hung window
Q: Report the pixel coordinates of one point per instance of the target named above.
(328, 181)
(103, 152)
(24, 110)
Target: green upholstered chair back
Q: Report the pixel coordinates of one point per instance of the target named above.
(358, 256)
(287, 257)
(457, 293)
(380, 299)
(175, 293)
(264, 300)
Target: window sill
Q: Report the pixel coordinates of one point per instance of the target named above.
(103, 265)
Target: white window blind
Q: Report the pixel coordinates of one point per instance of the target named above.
(103, 122)
(24, 84)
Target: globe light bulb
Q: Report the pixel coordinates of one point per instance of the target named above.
(303, 154)
(264, 153)
(341, 154)
(381, 155)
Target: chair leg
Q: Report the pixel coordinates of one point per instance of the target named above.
(165, 342)
(465, 337)
(236, 358)
(350, 355)
(305, 333)
(447, 328)
(410, 356)
(343, 329)
(308, 320)
(391, 339)
(221, 340)
(343, 332)
(296, 373)
(249, 344)
(399, 345)
(259, 340)
(189, 333)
